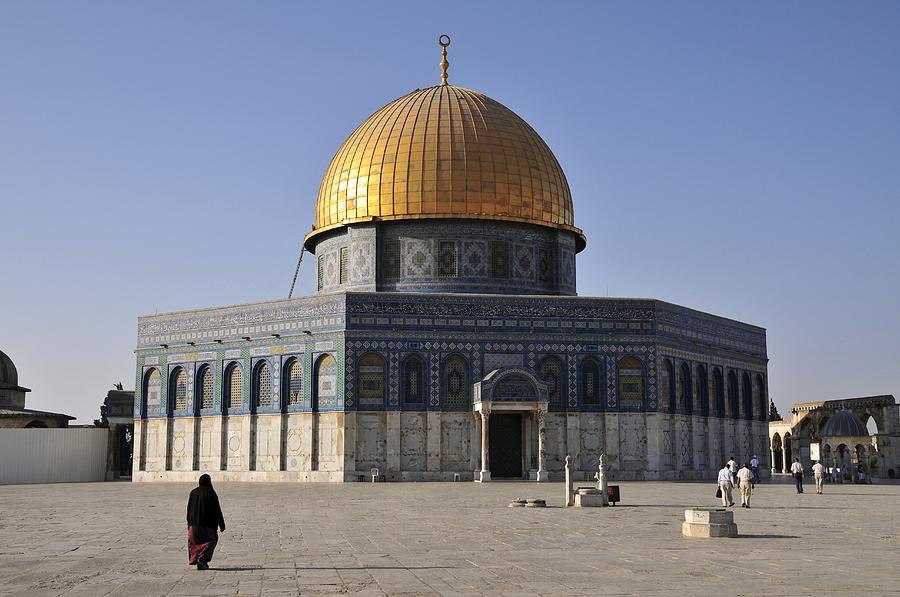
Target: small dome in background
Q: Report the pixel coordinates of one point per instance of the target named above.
(8, 374)
(844, 424)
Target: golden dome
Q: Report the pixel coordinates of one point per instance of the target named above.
(444, 152)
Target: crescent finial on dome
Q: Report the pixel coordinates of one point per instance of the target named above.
(444, 41)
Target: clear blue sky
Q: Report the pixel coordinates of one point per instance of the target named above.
(739, 158)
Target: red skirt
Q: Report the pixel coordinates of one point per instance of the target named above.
(201, 544)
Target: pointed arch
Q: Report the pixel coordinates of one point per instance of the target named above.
(262, 386)
(684, 400)
(233, 394)
(325, 388)
(177, 401)
(204, 389)
(718, 392)
(732, 406)
(666, 387)
(762, 403)
(455, 382)
(413, 380)
(292, 384)
(701, 391)
(151, 399)
(747, 395)
(550, 371)
(592, 383)
(371, 380)
(631, 380)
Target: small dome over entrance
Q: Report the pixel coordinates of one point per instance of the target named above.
(844, 424)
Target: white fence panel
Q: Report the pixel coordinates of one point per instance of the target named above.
(74, 455)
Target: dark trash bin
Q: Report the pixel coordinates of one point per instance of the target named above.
(612, 494)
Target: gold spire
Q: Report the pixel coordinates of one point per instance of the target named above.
(444, 40)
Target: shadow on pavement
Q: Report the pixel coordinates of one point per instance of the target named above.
(300, 568)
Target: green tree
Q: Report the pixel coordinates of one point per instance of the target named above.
(773, 412)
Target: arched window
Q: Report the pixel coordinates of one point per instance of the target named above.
(234, 386)
(293, 377)
(371, 378)
(761, 402)
(591, 382)
(413, 392)
(325, 394)
(731, 396)
(684, 400)
(152, 387)
(718, 392)
(551, 372)
(205, 387)
(747, 391)
(177, 390)
(262, 385)
(701, 392)
(631, 382)
(456, 391)
(666, 387)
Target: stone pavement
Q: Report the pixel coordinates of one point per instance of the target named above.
(447, 539)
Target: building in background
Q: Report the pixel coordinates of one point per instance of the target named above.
(837, 433)
(446, 337)
(116, 414)
(40, 447)
(12, 402)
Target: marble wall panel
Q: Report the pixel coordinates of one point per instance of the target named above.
(370, 441)
(412, 441)
(456, 433)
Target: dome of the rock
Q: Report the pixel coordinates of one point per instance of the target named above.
(444, 152)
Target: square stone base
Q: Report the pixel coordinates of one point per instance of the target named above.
(698, 529)
(588, 500)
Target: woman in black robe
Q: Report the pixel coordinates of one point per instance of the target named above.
(203, 517)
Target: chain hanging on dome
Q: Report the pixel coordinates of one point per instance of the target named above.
(444, 41)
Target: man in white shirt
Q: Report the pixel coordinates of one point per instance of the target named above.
(797, 472)
(745, 482)
(733, 467)
(754, 468)
(819, 472)
(725, 485)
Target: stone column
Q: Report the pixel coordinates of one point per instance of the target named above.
(485, 473)
(569, 500)
(785, 466)
(542, 446)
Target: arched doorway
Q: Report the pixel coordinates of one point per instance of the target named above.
(777, 454)
(36, 425)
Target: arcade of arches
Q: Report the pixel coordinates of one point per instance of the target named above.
(858, 438)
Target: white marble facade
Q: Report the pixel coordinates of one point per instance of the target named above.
(418, 446)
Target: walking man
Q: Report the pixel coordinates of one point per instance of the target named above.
(797, 472)
(819, 472)
(725, 485)
(745, 482)
(754, 468)
(732, 466)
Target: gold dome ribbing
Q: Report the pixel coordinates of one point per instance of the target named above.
(444, 152)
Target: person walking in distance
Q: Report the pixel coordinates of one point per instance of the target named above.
(725, 485)
(797, 472)
(745, 482)
(204, 515)
(754, 468)
(819, 474)
(733, 467)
